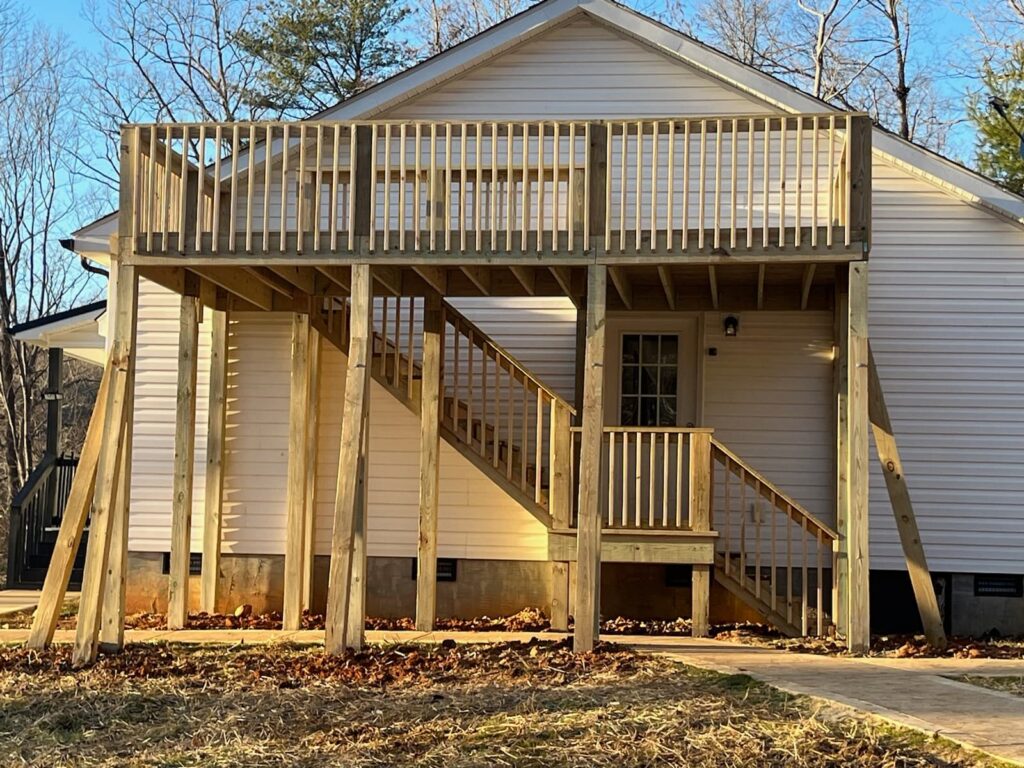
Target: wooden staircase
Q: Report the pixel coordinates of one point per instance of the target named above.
(771, 553)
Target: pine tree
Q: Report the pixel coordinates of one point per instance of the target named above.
(998, 148)
(319, 52)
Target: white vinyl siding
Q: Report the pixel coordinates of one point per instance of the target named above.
(947, 327)
(581, 69)
(768, 395)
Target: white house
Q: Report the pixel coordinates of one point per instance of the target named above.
(741, 242)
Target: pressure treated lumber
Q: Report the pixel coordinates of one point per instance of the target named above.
(213, 509)
(859, 624)
(69, 537)
(312, 452)
(352, 447)
(700, 520)
(184, 464)
(430, 455)
(295, 533)
(588, 556)
(903, 509)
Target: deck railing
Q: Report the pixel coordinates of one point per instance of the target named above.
(537, 187)
(771, 546)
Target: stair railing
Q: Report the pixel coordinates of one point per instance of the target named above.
(503, 412)
(35, 508)
(770, 545)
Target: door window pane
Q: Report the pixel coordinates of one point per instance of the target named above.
(649, 379)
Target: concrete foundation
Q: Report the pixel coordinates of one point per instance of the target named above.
(481, 588)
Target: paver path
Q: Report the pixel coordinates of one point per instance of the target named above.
(911, 692)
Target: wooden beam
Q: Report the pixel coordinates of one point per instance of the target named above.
(479, 276)
(109, 463)
(295, 533)
(299, 278)
(859, 625)
(622, 285)
(436, 277)
(903, 509)
(216, 443)
(805, 286)
(240, 283)
(588, 556)
(390, 277)
(312, 452)
(184, 463)
(69, 537)
(761, 272)
(340, 276)
(271, 279)
(840, 380)
(355, 626)
(563, 276)
(527, 277)
(668, 286)
(430, 465)
(713, 285)
(357, 392)
(700, 484)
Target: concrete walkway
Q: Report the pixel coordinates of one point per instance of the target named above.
(915, 693)
(17, 600)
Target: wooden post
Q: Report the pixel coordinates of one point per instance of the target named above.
(355, 627)
(903, 510)
(859, 629)
(295, 534)
(588, 537)
(560, 507)
(184, 463)
(840, 380)
(109, 463)
(312, 450)
(859, 144)
(54, 396)
(65, 550)
(357, 391)
(700, 520)
(215, 449)
(430, 464)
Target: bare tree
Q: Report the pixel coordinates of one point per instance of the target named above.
(440, 24)
(170, 60)
(36, 205)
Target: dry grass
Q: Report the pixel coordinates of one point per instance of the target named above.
(505, 704)
(1007, 684)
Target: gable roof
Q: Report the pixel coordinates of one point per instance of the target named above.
(952, 177)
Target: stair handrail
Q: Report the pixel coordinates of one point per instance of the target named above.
(485, 340)
(795, 511)
(18, 539)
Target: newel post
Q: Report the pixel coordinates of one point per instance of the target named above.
(700, 520)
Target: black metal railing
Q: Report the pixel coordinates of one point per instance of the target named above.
(36, 513)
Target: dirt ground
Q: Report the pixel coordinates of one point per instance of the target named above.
(508, 704)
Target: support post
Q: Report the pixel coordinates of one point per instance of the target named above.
(109, 464)
(840, 374)
(65, 550)
(215, 449)
(357, 392)
(312, 450)
(54, 399)
(560, 507)
(588, 537)
(700, 520)
(184, 463)
(355, 628)
(859, 629)
(430, 464)
(903, 509)
(298, 424)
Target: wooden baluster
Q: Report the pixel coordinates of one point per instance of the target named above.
(409, 362)
(765, 181)
(525, 212)
(151, 219)
(610, 514)
(200, 186)
(283, 215)
(352, 171)
(497, 410)
(814, 182)
(493, 187)
(757, 538)
(432, 192)
(624, 512)
(463, 174)
(727, 517)
(773, 511)
(397, 381)
(470, 386)
(510, 427)
(268, 141)
(681, 443)
(743, 525)
(332, 214)
(789, 567)
(556, 174)
(847, 178)
(637, 478)
(798, 175)
(538, 445)
(803, 577)
(523, 437)
(664, 479)
(510, 186)
(820, 607)
(638, 196)
(183, 198)
(541, 181)
(655, 138)
(386, 202)
(167, 202)
(686, 185)
(751, 136)
(417, 184)
(250, 189)
(651, 479)
(669, 196)
(623, 185)
(702, 183)
(734, 158)
(485, 404)
(718, 185)
(402, 171)
(477, 180)
(831, 214)
(456, 384)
